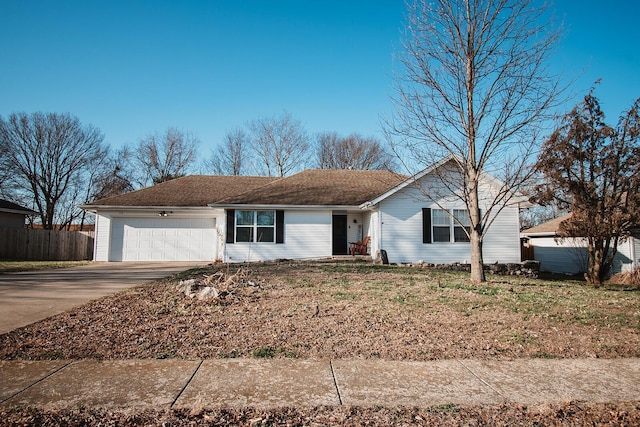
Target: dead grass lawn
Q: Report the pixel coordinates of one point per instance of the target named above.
(345, 310)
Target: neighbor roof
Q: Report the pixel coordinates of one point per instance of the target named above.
(547, 228)
(7, 206)
(192, 191)
(320, 187)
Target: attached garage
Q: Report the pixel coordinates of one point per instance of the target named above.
(163, 239)
(171, 221)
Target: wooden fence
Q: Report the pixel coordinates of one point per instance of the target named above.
(45, 245)
(527, 252)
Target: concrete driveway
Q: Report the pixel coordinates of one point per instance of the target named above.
(28, 297)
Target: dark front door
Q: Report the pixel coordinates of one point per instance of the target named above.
(340, 235)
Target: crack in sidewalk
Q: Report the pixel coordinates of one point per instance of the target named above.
(483, 381)
(37, 382)
(186, 385)
(335, 382)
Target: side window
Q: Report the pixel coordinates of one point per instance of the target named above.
(450, 226)
(441, 223)
(461, 232)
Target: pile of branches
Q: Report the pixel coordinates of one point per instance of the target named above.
(220, 287)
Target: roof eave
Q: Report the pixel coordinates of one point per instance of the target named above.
(410, 180)
(19, 211)
(539, 234)
(283, 207)
(95, 208)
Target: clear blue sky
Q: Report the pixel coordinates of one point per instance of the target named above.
(135, 67)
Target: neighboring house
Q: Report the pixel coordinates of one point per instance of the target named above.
(569, 255)
(312, 214)
(13, 215)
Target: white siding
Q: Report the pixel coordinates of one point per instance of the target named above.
(372, 227)
(569, 256)
(102, 238)
(307, 234)
(401, 234)
(636, 252)
(502, 240)
(355, 230)
(624, 258)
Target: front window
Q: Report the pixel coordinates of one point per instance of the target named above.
(255, 226)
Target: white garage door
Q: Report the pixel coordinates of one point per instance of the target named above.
(163, 239)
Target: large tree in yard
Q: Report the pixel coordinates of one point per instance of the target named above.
(474, 87)
(593, 170)
(51, 159)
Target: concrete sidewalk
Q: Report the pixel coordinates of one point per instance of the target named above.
(118, 384)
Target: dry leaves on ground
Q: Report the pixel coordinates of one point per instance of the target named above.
(563, 414)
(343, 310)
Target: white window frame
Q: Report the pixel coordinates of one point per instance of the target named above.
(452, 225)
(254, 227)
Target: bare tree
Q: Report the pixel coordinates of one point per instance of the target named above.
(114, 175)
(538, 214)
(6, 190)
(280, 143)
(162, 157)
(474, 88)
(232, 155)
(352, 152)
(593, 169)
(51, 158)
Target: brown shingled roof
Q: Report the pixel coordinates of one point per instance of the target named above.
(550, 227)
(320, 188)
(194, 190)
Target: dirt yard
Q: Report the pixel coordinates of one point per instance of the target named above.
(341, 310)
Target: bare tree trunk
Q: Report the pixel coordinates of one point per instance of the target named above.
(477, 263)
(476, 234)
(594, 273)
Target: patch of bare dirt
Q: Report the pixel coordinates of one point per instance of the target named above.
(338, 311)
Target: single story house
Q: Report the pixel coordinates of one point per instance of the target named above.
(312, 214)
(13, 215)
(569, 255)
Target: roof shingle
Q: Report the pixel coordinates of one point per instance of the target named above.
(550, 227)
(308, 188)
(316, 187)
(193, 190)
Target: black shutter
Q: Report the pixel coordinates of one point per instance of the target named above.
(231, 225)
(426, 225)
(279, 226)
